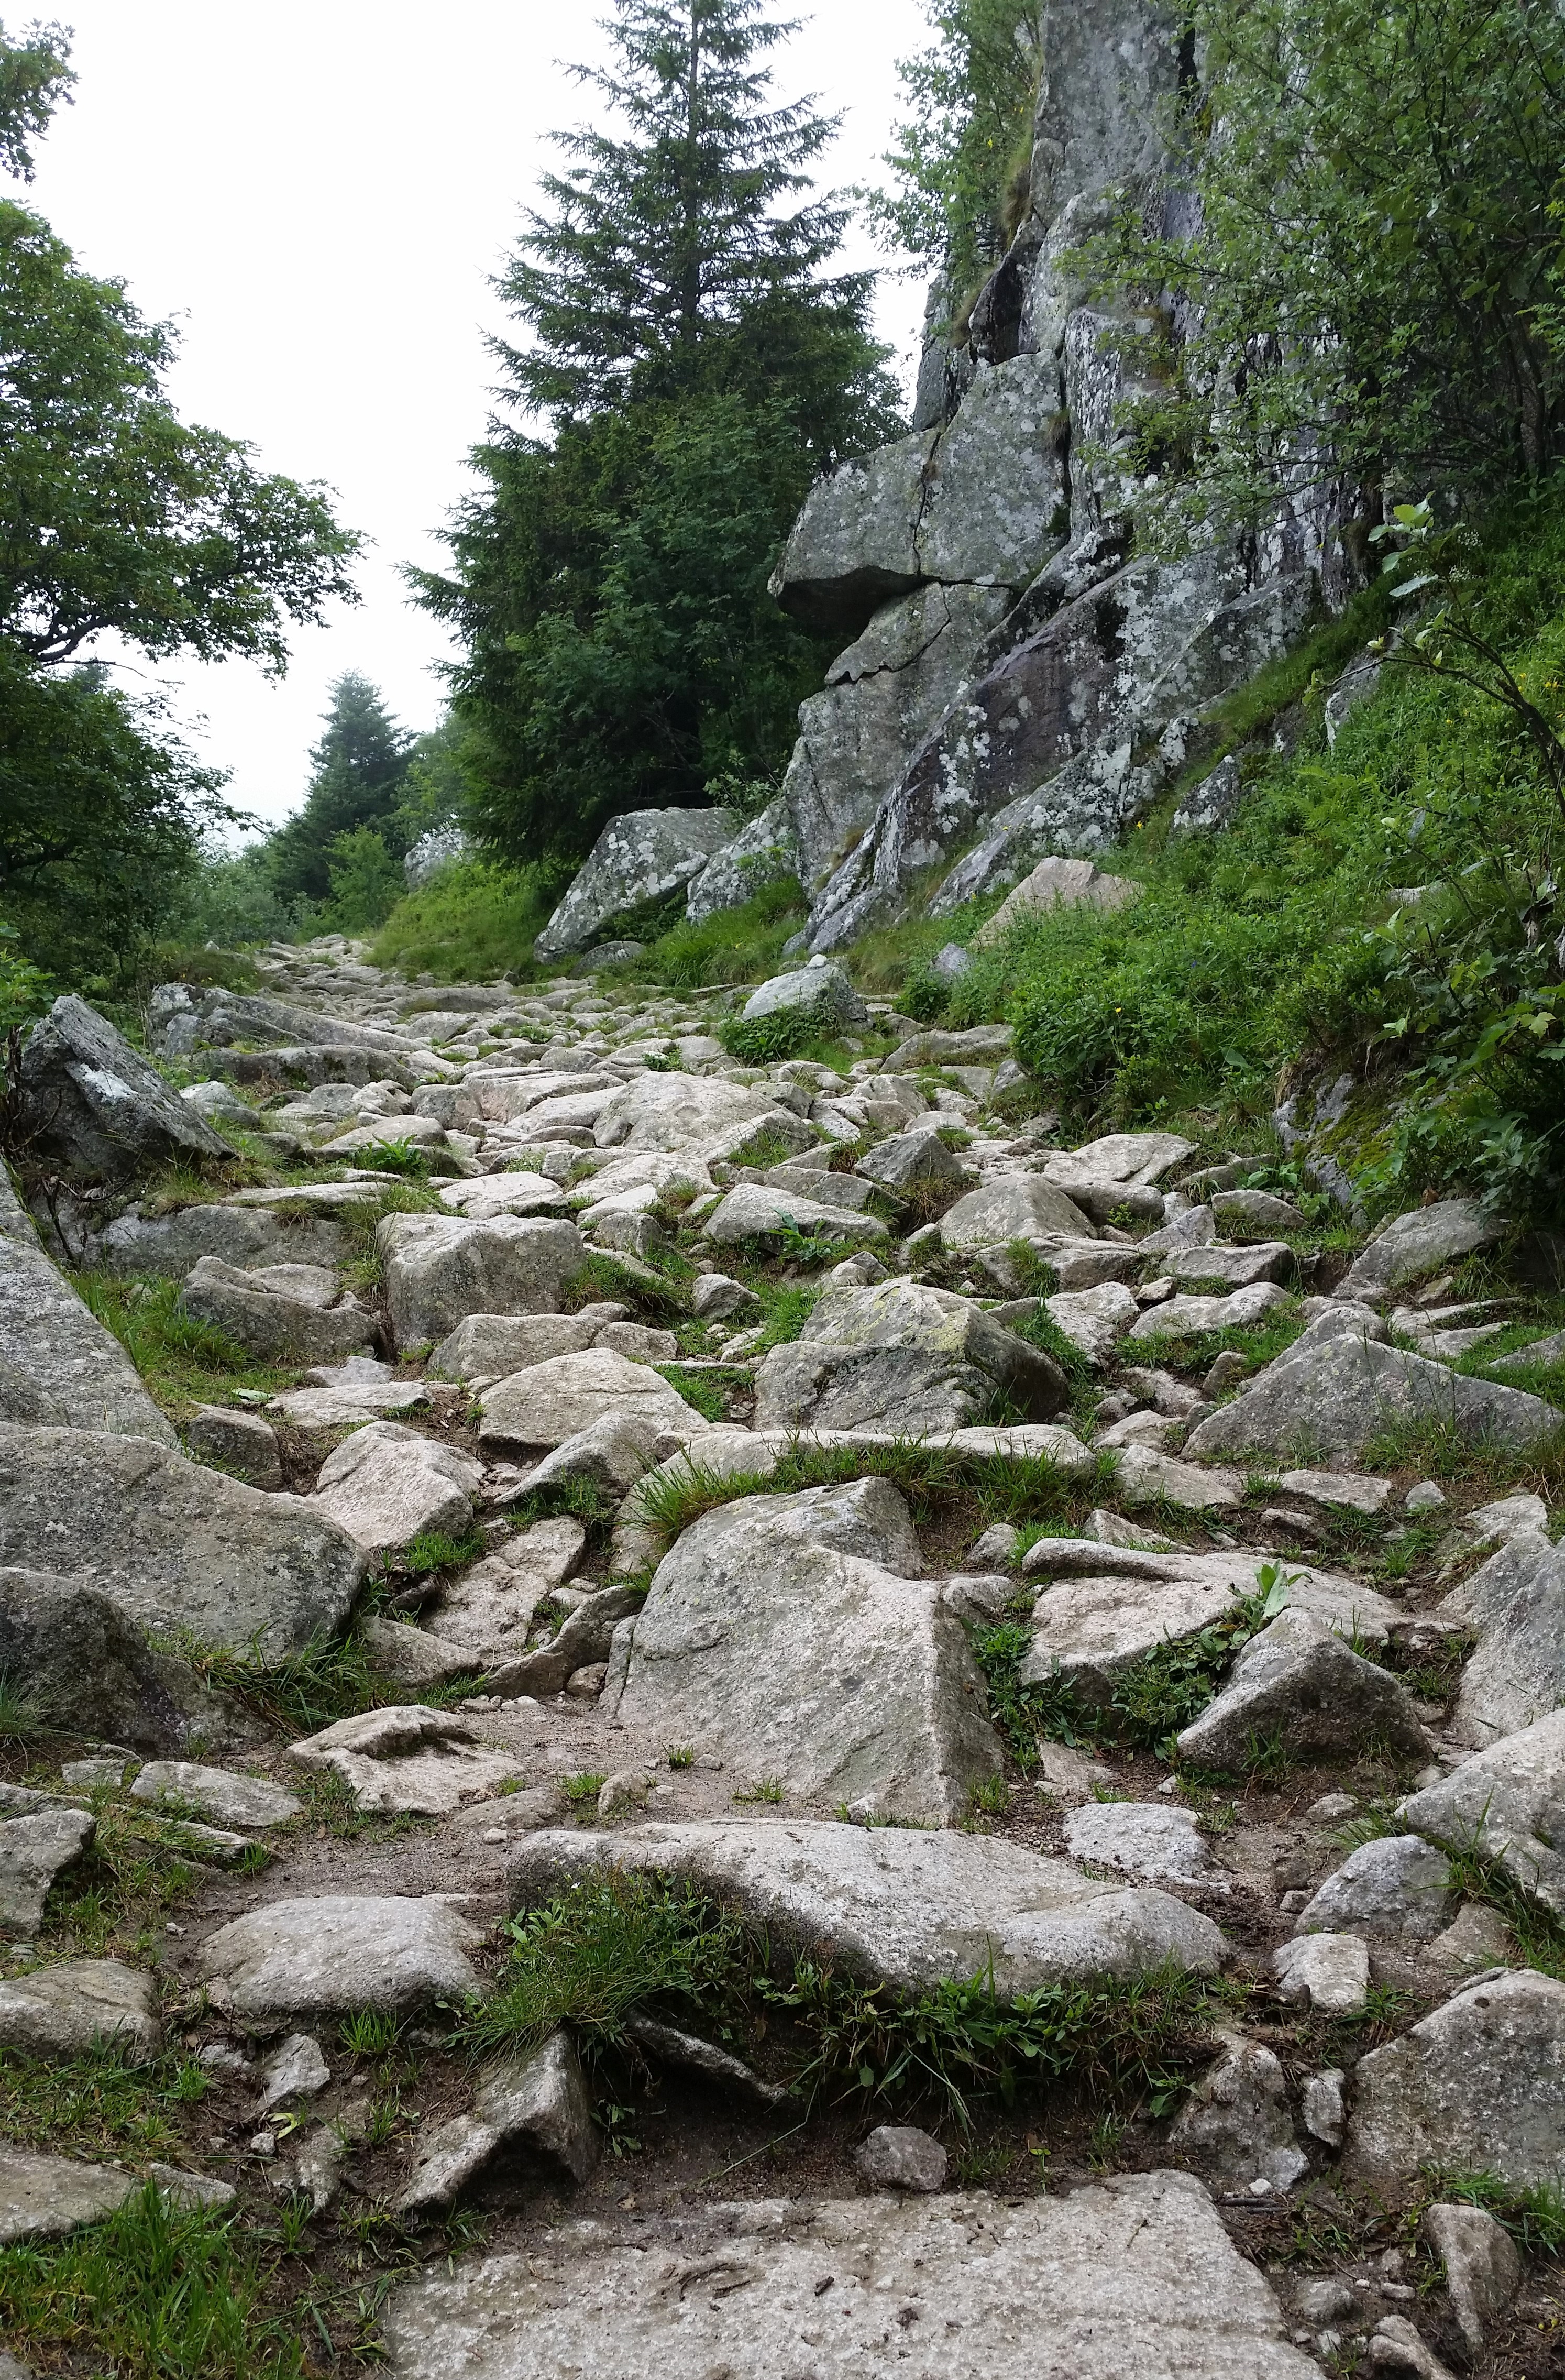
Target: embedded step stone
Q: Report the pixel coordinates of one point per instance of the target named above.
(48, 2197)
(909, 1906)
(408, 1757)
(1299, 1682)
(219, 1794)
(1507, 1805)
(786, 1634)
(536, 2108)
(33, 1852)
(1396, 1885)
(264, 1314)
(342, 1951)
(440, 1269)
(758, 1212)
(1477, 2087)
(1014, 1207)
(1135, 2273)
(906, 1358)
(80, 2004)
(550, 1403)
(387, 1485)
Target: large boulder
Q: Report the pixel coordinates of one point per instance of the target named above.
(57, 1362)
(776, 1213)
(908, 1906)
(675, 1111)
(1419, 1242)
(763, 850)
(262, 1316)
(1012, 1207)
(169, 1247)
(1339, 1394)
(821, 992)
(88, 1669)
(556, 1399)
(639, 857)
(91, 1108)
(440, 1269)
(1477, 2087)
(1507, 1803)
(180, 1550)
(787, 1636)
(1299, 1685)
(1134, 2275)
(904, 1357)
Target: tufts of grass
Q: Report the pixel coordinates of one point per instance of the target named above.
(706, 1390)
(741, 945)
(22, 1720)
(431, 1551)
(101, 2104)
(330, 1810)
(603, 1279)
(1533, 2213)
(471, 922)
(768, 1790)
(156, 2290)
(139, 1866)
(184, 1363)
(583, 1788)
(329, 1678)
(371, 2032)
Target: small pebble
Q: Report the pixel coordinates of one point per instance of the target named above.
(1425, 1498)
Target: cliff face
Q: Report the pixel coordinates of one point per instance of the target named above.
(1019, 679)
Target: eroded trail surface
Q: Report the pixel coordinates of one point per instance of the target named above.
(671, 1715)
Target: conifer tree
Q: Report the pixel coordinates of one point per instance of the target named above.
(360, 764)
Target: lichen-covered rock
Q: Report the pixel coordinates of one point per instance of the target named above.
(92, 1108)
(169, 1247)
(1056, 884)
(1298, 1684)
(639, 857)
(79, 2006)
(784, 1634)
(1515, 1605)
(34, 1850)
(678, 1112)
(902, 1357)
(48, 2197)
(1237, 2123)
(765, 1211)
(761, 852)
(820, 991)
(1012, 1207)
(219, 1794)
(261, 1316)
(1419, 1242)
(232, 1440)
(408, 1758)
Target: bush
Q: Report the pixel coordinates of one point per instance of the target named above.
(469, 922)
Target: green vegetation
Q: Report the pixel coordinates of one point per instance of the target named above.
(121, 520)
(697, 366)
(1390, 174)
(1287, 941)
(99, 2105)
(184, 1363)
(156, 2290)
(471, 922)
(962, 159)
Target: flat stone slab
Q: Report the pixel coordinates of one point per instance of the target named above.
(1418, 1243)
(910, 1906)
(227, 1799)
(1337, 1395)
(1182, 1317)
(1136, 2274)
(388, 1483)
(756, 1211)
(342, 1951)
(1151, 1840)
(551, 1402)
(350, 1405)
(409, 1758)
(48, 2197)
(63, 2010)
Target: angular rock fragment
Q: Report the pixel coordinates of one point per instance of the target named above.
(297, 2070)
(1142, 1475)
(902, 1357)
(33, 1852)
(1507, 1804)
(1094, 1320)
(911, 1906)
(1056, 883)
(58, 1364)
(897, 2156)
(582, 1643)
(48, 2197)
(217, 1794)
(408, 1757)
(1183, 1317)
(85, 1664)
(259, 1315)
(1237, 2123)
(558, 1400)
(760, 1211)
(1328, 1971)
(1014, 1207)
(1339, 1394)
(1515, 1605)
(1298, 1684)
(907, 1158)
(341, 1953)
(639, 857)
(91, 1108)
(534, 2110)
(240, 1442)
(387, 1485)
(819, 990)
(440, 1269)
(492, 1346)
(680, 1112)
(1396, 1884)
(1419, 1242)
(1478, 2086)
(780, 1634)
(1137, 2274)
(1483, 2268)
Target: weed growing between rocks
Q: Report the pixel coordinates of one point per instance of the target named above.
(101, 2104)
(184, 1363)
(140, 1866)
(22, 1720)
(327, 1679)
(155, 2289)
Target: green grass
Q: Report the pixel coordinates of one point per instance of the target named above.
(99, 2105)
(138, 1869)
(183, 1363)
(743, 945)
(155, 2294)
(1278, 943)
(21, 1720)
(470, 923)
(706, 1391)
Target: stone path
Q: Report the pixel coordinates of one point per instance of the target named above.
(587, 1370)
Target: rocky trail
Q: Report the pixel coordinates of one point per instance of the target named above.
(776, 1724)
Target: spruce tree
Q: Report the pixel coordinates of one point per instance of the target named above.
(360, 764)
(699, 367)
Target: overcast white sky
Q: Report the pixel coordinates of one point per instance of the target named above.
(317, 190)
